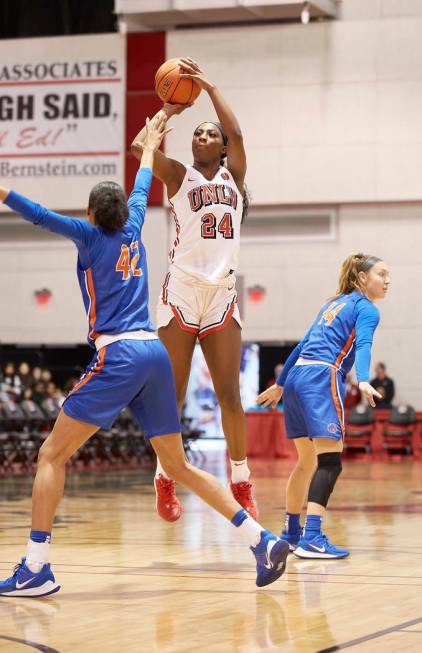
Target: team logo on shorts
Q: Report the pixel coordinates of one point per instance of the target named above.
(332, 428)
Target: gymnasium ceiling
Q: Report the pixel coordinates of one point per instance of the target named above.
(138, 15)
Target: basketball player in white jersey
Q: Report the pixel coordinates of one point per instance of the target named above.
(198, 299)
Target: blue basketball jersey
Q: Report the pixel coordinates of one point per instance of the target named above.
(341, 335)
(111, 268)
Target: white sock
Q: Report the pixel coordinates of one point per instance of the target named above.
(250, 530)
(160, 471)
(240, 470)
(37, 554)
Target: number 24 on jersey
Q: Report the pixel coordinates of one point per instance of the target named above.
(209, 227)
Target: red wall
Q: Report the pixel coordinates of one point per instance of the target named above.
(145, 53)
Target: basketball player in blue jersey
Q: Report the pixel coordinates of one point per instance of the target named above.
(199, 300)
(312, 384)
(131, 368)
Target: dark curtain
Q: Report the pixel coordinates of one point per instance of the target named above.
(26, 18)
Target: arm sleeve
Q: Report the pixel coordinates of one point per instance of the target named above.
(294, 355)
(80, 231)
(366, 323)
(137, 202)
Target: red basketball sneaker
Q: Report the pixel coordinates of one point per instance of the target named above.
(168, 505)
(242, 492)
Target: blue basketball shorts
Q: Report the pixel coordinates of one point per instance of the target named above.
(127, 373)
(313, 402)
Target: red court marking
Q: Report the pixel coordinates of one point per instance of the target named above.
(99, 80)
(28, 155)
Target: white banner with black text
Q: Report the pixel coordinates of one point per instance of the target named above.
(62, 103)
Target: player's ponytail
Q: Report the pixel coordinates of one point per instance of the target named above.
(107, 201)
(349, 273)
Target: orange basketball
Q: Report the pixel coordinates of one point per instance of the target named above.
(172, 88)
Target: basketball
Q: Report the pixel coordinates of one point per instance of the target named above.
(170, 87)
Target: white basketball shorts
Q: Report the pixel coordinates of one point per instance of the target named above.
(198, 308)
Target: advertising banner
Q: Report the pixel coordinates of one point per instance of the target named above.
(62, 104)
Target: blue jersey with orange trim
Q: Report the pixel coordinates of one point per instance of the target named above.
(341, 335)
(112, 268)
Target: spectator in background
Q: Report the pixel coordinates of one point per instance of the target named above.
(384, 385)
(24, 372)
(70, 384)
(277, 371)
(54, 392)
(11, 385)
(36, 375)
(27, 394)
(46, 376)
(39, 392)
(353, 394)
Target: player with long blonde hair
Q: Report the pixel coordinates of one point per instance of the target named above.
(312, 384)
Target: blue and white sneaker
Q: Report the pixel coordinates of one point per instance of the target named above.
(292, 539)
(319, 547)
(271, 555)
(26, 583)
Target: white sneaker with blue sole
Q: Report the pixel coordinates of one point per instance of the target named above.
(319, 547)
(26, 583)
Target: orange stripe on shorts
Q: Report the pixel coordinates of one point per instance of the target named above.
(91, 292)
(336, 399)
(97, 369)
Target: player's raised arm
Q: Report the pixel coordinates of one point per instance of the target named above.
(169, 171)
(154, 132)
(75, 229)
(236, 156)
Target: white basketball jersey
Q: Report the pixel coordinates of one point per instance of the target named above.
(207, 215)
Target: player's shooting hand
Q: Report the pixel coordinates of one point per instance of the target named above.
(155, 130)
(191, 70)
(174, 109)
(270, 397)
(369, 392)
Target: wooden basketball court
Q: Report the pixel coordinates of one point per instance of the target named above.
(133, 583)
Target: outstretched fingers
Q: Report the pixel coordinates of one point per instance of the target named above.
(189, 64)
